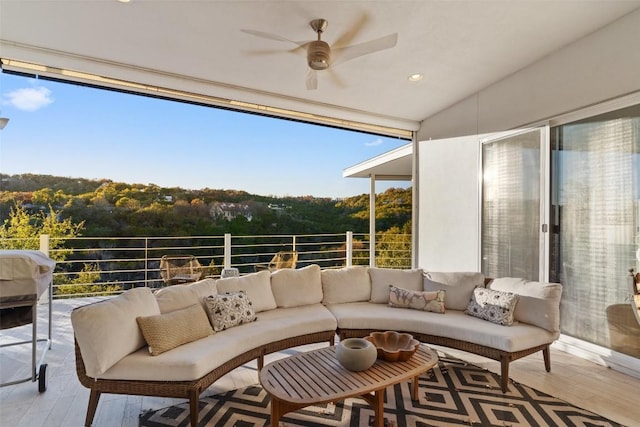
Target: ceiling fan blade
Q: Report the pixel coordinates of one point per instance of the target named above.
(336, 80)
(275, 37)
(312, 79)
(347, 37)
(340, 55)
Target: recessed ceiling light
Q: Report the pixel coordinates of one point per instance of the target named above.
(124, 1)
(416, 77)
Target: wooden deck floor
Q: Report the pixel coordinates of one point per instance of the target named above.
(585, 384)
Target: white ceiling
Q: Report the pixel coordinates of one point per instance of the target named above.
(459, 46)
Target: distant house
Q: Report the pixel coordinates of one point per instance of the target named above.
(230, 211)
(277, 207)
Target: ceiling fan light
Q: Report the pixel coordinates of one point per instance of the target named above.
(318, 55)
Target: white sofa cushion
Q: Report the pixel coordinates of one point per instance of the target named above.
(539, 303)
(454, 324)
(195, 359)
(107, 331)
(382, 278)
(459, 287)
(292, 288)
(177, 297)
(349, 284)
(257, 286)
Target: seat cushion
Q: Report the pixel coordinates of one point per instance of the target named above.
(195, 359)
(453, 324)
(107, 331)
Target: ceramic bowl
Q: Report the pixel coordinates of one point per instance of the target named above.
(393, 346)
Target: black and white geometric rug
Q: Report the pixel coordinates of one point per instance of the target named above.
(450, 395)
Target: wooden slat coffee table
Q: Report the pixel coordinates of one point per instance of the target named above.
(316, 377)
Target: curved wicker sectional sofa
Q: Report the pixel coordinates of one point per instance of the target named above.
(293, 307)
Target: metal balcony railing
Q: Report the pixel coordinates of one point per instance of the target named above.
(89, 266)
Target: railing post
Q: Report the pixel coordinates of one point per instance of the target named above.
(227, 250)
(146, 262)
(45, 241)
(293, 243)
(349, 245)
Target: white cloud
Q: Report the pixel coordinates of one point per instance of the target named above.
(29, 99)
(374, 143)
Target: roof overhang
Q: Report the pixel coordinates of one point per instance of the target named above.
(394, 165)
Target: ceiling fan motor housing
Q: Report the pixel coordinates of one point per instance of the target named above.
(318, 55)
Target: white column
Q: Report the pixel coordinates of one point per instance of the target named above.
(372, 221)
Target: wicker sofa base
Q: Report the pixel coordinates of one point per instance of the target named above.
(190, 390)
(504, 357)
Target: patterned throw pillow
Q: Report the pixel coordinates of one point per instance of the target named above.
(418, 300)
(494, 306)
(228, 310)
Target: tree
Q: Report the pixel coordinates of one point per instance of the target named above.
(22, 230)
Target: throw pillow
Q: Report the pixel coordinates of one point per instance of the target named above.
(417, 300)
(228, 310)
(494, 306)
(170, 330)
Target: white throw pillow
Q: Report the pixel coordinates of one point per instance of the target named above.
(292, 288)
(257, 286)
(107, 331)
(539, 302)
(381, 278)
(432, 301)
(349, 284)
(459, 287)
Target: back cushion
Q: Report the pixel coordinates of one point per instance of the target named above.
(292, 288)
(459, 287)
(257, 286)
(382, 278)
(177, 297)
(350, 284)
(107, 331)
(539, 303)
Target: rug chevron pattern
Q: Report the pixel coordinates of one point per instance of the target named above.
(451, 394)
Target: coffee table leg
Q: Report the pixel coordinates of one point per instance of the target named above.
(414, 388)
(275, 412)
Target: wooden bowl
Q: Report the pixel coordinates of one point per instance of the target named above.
(394, 346)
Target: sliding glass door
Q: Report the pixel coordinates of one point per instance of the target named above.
(595, 214)
(512, 211)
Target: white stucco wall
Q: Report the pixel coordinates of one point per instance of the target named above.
(449, 210)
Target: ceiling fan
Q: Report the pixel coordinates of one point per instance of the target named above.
(323, 57)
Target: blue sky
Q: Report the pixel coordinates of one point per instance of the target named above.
(73, 131)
